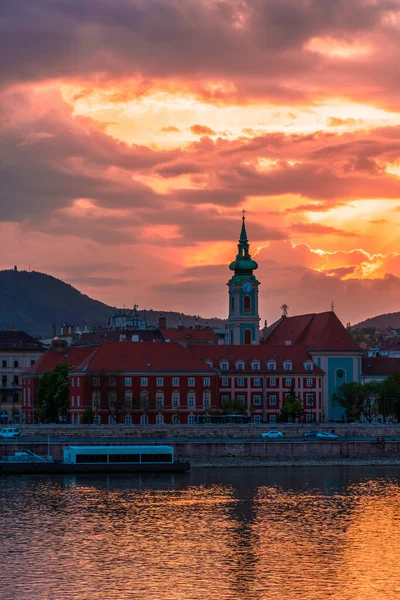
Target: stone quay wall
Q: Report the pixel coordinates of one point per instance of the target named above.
(203, 431)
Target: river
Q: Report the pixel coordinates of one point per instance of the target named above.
(211, 534)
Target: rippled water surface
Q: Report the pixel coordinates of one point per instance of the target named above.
(223, 534)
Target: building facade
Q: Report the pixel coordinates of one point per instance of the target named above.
(18, 352)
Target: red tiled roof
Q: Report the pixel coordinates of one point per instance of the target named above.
(95, 338)
(318, 332)
(143, 357)
(381, 365)
(13, 339)
(67, 356)
(186, 334)
(297, 355)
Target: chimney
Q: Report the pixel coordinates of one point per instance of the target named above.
(122, 338)
(162, 322)
(53, 330)
(135, 338)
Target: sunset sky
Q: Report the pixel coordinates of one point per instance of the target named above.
(133, 133)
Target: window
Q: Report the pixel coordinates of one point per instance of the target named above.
(191, 401)
(175, 381)
(160, 381)
(143, 381)
(128, 420)
(78, 400)
(246, 304)
(160, 400)
(128, 399)
(224, 399)
(240, 381)
(16, 380)
(112, 382)
(4, 363)
(310, 418)
(206, 382)
(309, 382)
(309, 366)
(255, 366)
(73, 381)
(256, 382)
(240, 366)
(128, 381)
(206, 400)
(247, 336)
(175, 401)
(175, 419)
(224, 366)
(287, 396)
(272, 381)
(241, 399)
(160, 420)
(16, 364)
(257, 399)
(78, 380)
(309, 399)
(272, 400)
(96, 399)
(192, 420)
(112, 398)
(271, 366)
(96, 381)
(4, 381)
(97, 420)
(144, 420)
(225, 381)
(257, 419)
(111, 420)
(288, 382)
(191, 382)
(272, 418)
(33, 361)
(287, 366)
(72, 400)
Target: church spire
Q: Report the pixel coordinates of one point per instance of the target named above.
(243, 265)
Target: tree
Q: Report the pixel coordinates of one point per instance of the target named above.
(292, 408)
(231, 407)
(88, 416)
(53, 393)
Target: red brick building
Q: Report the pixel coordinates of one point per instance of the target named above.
(58, 354)
(147, 383)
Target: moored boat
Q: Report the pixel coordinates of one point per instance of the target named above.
(96, 460)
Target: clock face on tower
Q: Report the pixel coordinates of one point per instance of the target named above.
(247, 287)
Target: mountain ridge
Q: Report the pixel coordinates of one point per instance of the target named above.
(32, 301)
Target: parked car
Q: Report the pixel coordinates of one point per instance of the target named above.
(326, 435)
(9, 432)
(272, 434)
(310, 434)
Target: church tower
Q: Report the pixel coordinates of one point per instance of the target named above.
(243, 320)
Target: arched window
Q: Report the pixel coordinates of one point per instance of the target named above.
(247, 304)
(247, 336)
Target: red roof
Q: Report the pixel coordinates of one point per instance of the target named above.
(143, 357)
(297, 355)
(68, 355)
(95, 338)
(191, 336)
(381, 365)
(318, 332)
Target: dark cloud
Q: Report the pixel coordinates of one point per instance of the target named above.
(320, 229)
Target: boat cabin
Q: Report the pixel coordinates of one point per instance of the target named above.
(118, 454)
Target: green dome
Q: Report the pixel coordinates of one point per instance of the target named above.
(243, 264)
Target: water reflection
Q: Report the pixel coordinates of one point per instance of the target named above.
(233, 534)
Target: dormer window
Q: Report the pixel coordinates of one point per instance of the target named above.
(308, 366)
(224, 366)
(287, 365)
(255, 366)
(271, 365)
(240, 366)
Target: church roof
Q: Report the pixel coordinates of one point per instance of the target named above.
(318, 332)
(243, 264)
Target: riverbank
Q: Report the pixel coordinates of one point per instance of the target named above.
(248, 462)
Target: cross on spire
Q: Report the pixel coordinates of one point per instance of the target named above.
(243, 213)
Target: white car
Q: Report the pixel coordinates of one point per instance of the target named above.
(9, 432)
(272, 434)
(326, 435)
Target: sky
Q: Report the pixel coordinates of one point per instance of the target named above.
(134, 132)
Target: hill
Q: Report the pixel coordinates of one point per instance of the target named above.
(391, 320)
(33, 301)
